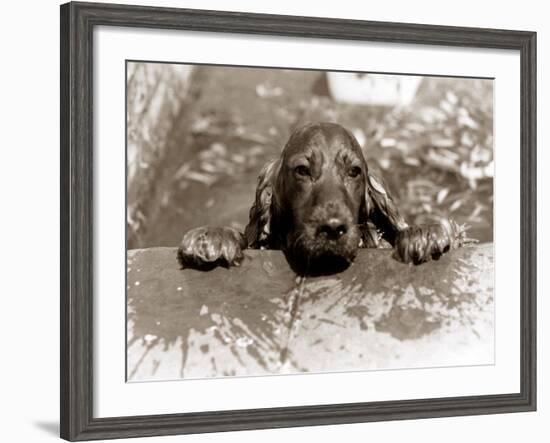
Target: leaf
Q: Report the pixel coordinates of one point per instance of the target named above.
(457, 204)
(451, 97)
(206, 179)
(387, 142)
(443, 142)
(411, 161)
(384, 162)
(182, 170)
(442, 195)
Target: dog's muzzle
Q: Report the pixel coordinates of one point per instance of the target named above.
(324, 243)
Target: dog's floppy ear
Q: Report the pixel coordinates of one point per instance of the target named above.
(257, 232)
(382, 212)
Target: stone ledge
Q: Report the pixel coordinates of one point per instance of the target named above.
(262, 319)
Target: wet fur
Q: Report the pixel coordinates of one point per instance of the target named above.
(321, 175)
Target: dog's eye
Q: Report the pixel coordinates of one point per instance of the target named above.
(355, 171)
(302, 171)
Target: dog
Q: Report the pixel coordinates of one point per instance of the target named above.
(319, 203)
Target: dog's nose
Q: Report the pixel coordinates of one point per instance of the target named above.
(333, 228)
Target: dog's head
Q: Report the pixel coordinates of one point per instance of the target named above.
(315, 199)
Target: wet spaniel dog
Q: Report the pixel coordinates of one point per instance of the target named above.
(319, 203)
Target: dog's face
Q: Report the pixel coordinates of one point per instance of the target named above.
(319, 194)
(319, 203)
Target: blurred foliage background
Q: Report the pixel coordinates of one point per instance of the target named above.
(430, 139)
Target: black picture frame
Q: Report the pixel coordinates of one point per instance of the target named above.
(77, 23)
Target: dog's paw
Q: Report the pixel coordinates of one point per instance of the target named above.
(421, 243)
(210, 247)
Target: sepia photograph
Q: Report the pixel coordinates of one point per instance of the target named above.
(288, 221)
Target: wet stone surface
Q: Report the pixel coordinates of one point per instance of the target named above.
(262, 319)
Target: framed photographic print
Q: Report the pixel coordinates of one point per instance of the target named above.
(272, 221)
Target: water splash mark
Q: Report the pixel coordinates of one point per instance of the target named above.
(150, 344)
(293, 303)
